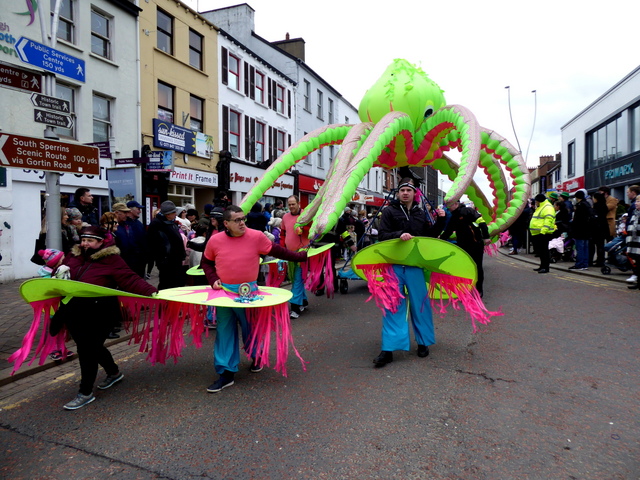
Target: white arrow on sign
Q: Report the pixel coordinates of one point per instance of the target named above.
(3, 140)
(20, 49)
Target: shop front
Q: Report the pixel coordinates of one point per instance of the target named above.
(243, 177)
(308, 188)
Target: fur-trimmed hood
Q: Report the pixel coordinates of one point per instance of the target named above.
(76, 251)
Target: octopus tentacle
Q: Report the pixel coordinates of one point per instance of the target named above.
(497, 146)
(465, 137)
(327, 135)
(350, 145)
(341, 187)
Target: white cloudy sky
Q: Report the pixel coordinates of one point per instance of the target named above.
(569, 51)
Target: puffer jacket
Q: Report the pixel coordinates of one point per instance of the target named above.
(396, 220)
(106, 268)
(543, 221)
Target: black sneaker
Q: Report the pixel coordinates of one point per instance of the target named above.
(110, 381)
(382, 359)
(255, 366)
(223, 382)
(423, 351)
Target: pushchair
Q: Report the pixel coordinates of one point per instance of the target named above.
(561, 249)
(616, 256)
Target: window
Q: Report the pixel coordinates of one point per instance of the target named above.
(69, 94)
(330, 107)
(165, 102)
(234, 72)
(259, 142)
(100, 35)
(195, 49)
(164, 34)
(259, 92)
(634, 128)
(307, 96)
(606, 143)
(320, 159)
(234, 133)
(346, 120)
(571, 160)
(332, 153)
(320, 112)
(101, 118)
(66, 20)
(280, 99)
(196, 109)
(281, 145)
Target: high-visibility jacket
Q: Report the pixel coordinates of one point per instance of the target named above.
(543, 220)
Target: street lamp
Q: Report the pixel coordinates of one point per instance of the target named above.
(511, 117)
(535, 111)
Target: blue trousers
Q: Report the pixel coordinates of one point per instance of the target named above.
(582, 253)
(395, 326)
(226, 351)
(297, 287)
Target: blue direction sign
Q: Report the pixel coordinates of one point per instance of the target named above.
(50, 59)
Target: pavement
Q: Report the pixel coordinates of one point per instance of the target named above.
(16, 316)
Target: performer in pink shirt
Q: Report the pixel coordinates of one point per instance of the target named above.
(294, 240)
(231, 259)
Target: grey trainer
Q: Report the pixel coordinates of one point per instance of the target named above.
(110, 380)
(80, 401)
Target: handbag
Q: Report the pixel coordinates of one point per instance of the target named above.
(40, 245)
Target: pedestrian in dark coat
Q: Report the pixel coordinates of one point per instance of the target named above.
(89, 320)
(167, 247)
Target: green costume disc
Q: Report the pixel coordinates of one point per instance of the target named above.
(310, 253)
(195, 270)
(45, 288)
(430, 254)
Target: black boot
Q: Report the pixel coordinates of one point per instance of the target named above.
(382, 359)
(423, 351)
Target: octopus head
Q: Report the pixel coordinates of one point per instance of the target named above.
(403, 87)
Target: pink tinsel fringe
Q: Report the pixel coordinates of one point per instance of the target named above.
(318, 273)
(460, 291)
(383, 286)
(158, 326)
(263, 322)
(277, 274)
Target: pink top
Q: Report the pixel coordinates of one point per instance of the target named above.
(238, 258)
(292, 240)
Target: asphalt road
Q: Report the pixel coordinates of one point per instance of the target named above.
(549, 390)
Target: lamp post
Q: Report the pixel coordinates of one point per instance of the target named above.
(511, 117)
(535, 111)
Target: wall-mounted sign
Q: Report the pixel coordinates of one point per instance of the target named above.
(243, 177)
(105, 148)
(179, 139)
(194, 177)
(160, 161)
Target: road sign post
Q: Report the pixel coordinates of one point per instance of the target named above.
(18, 151)
(52, 118)
(51, 103)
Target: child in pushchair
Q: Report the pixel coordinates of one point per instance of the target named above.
(561, 249)
(616, 256)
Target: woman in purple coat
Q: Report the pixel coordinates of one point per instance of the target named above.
(89, 320)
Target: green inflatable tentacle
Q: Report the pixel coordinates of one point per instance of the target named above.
(468, 132)
(497, 146)
(497, 182)
(329, 134)
(345, 181)
(350, 145)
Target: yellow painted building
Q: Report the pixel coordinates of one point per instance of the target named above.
(179, 102)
